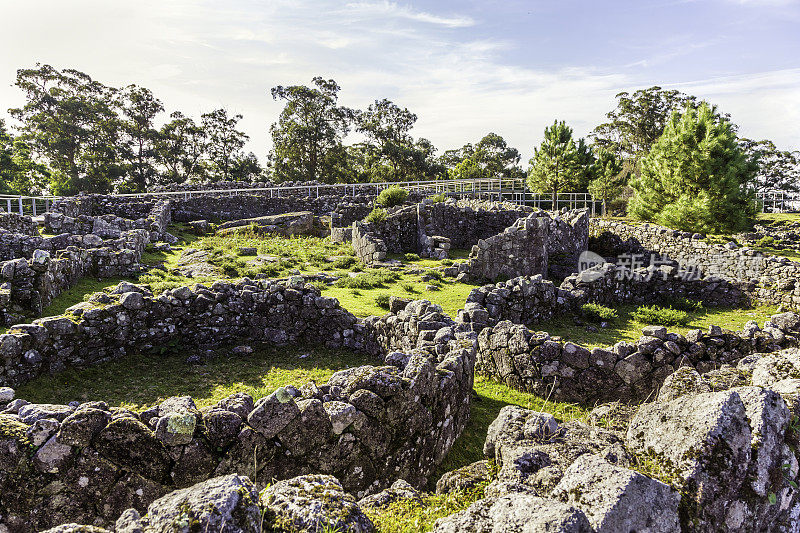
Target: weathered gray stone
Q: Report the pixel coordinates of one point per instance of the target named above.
(313, 502)
(227, 504)
(515, 513)
(617, 499)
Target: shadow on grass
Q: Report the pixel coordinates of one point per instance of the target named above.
(488, 399)
(142, 380)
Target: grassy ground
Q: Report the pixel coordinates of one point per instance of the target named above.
(626, 328)
(490, 397)
(76, 294)
(140, 381)
(362, 302)
(777, 218)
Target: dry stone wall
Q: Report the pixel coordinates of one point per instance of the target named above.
(344, 210)
(14, 223)
(532, 299)
(520, 249)
(100, 215)
(503, 243)
(565, 371)
(776, 279)
(368, 426)
(28, 285)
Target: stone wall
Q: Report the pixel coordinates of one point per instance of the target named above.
(93, 216)
(28, 285)
(564, 371)
(345, 210)
(520, 249)
(368, 426)
(503, 244)
(367, 245)
(777, 279)
(465, 222)
(14, 223)
(532, 299)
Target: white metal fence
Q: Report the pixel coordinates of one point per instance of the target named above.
(505, 189)
(778, 201)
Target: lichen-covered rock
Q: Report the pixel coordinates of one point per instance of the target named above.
(616, 499)
(777, 366)
(313, 502)
(273, 413)
(463, 478)
(705, 440)
(133, 445)
(79, 428)
(685, 380)
(527, 457)
(227, 504)
(515, 513)
(399, 491)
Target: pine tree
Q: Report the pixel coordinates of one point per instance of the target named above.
(610, 178)
(554, 165)
(696, 177)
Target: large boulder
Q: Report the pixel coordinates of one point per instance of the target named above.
(464, 478)
(400, 490)
(313, 502)
(533, 450)
(703, 441)
(228, 504)
(617, 499)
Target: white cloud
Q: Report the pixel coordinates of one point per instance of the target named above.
(391, 9)
(199, 54)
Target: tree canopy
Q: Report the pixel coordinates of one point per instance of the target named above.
(557, 165)
(77, 134)
(307, 138)
(696, 177)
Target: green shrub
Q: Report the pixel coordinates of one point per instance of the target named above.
(661, 316)
(391, 197)
(368, 280)
(344, 263)
(435, 275)
(408, 287)
(766, 241)
(447, 262)
(320, 285)
(412, 257)
(376, 216)
(685, 304)
(382, 301)
(598, 313)
(437, 198)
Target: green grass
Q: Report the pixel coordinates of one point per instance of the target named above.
(362, 302)
(424, 262)
(626, 328)
(142, 380)
(77, 294)
(303, 253)
(777, 218)
(491, 397)
(408, 516)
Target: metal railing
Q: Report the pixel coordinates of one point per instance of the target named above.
(778, 201)
(512, 190)
(27, 205)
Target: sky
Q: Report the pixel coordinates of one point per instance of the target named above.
(464, 67)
